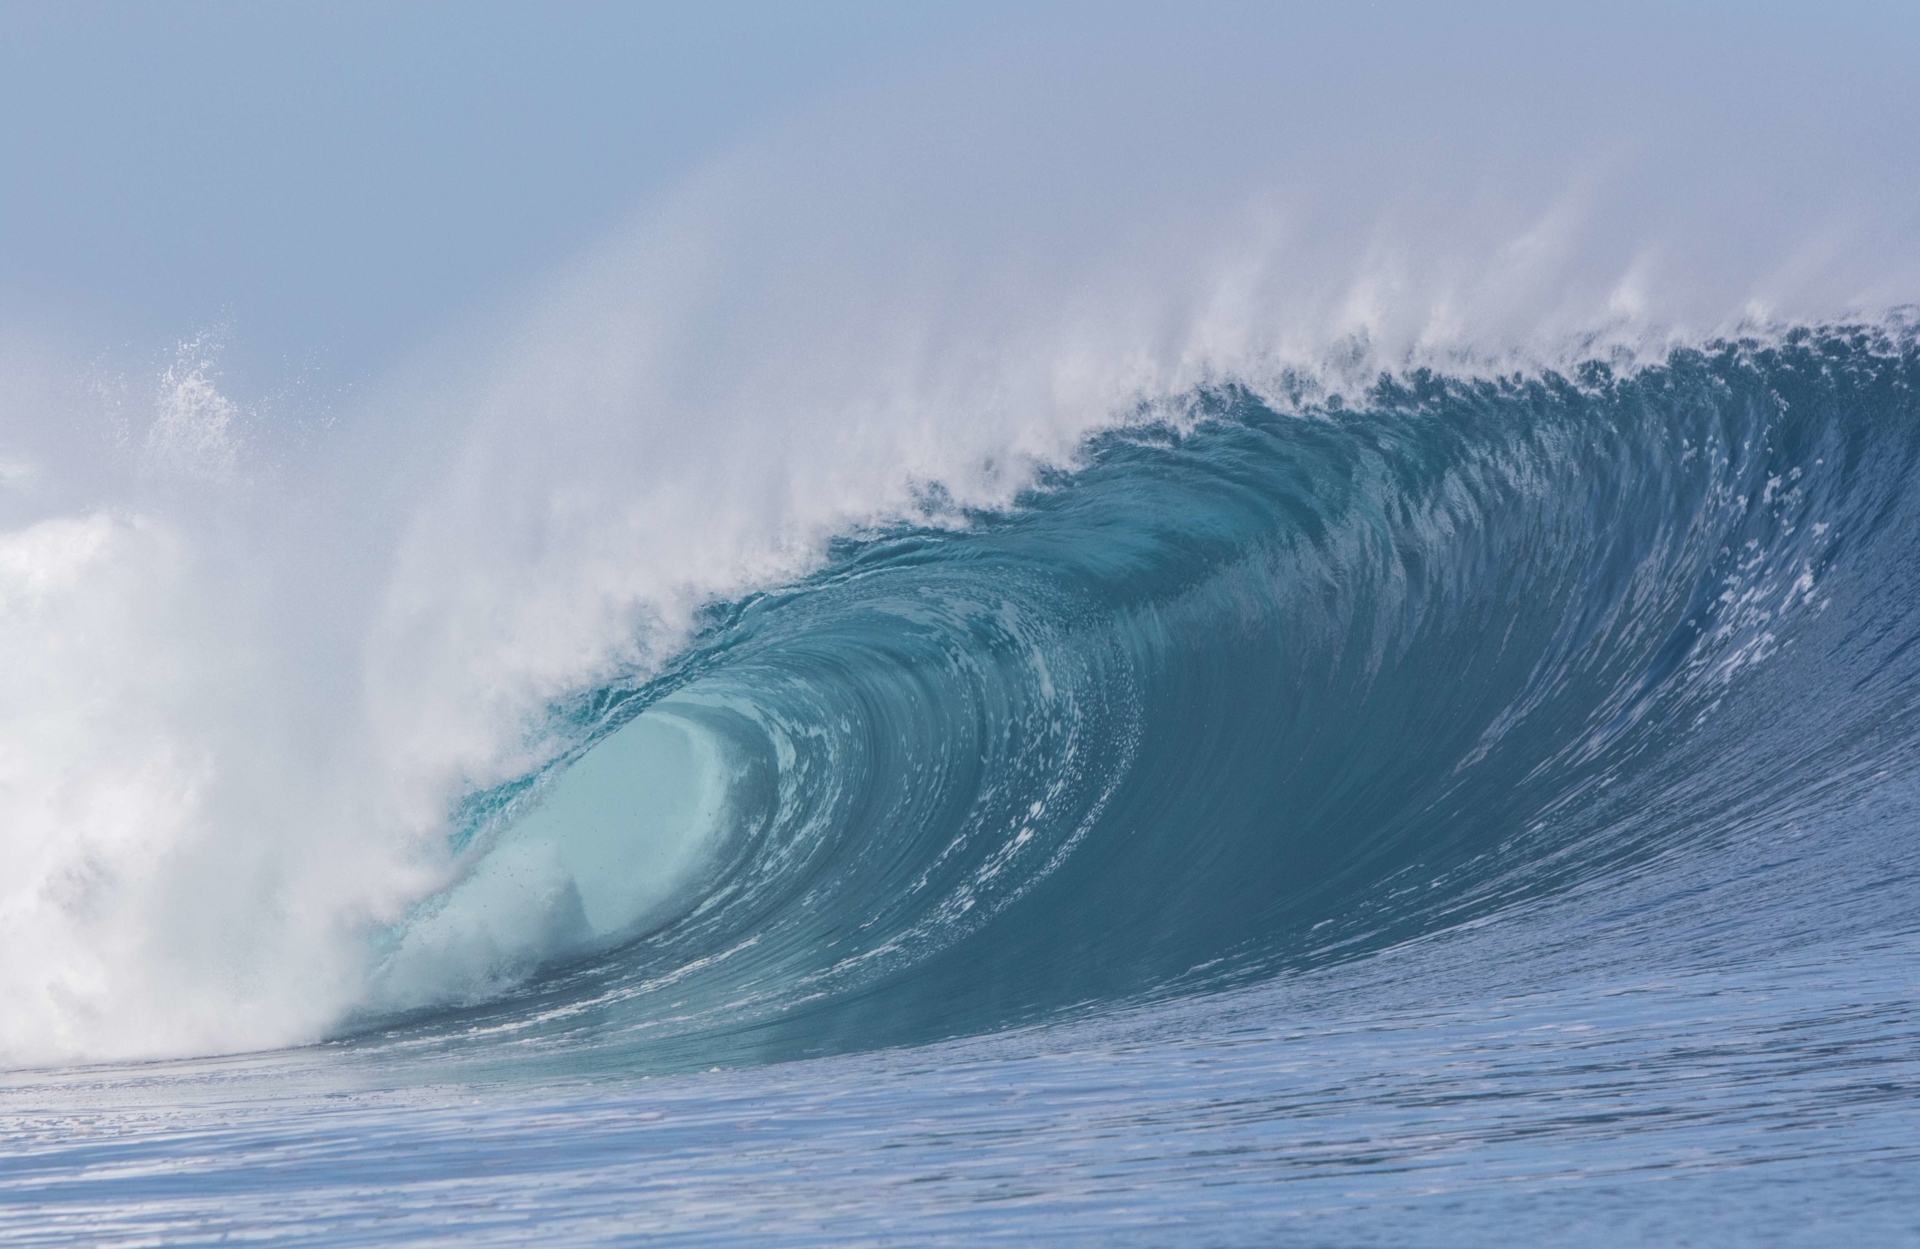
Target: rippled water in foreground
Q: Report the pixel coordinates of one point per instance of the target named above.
(1767, 1104)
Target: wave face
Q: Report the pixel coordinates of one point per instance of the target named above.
(1262, 684)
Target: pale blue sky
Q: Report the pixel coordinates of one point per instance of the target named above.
(331, 184)
(339, 178)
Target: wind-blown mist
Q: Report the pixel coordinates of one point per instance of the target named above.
(288, 700)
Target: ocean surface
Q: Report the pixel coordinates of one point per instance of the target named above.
(1471, 807)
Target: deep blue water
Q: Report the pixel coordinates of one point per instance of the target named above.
(1459, 812)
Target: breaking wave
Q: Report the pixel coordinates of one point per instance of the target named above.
(1261, 682)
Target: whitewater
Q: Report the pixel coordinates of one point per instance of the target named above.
(1076, 644)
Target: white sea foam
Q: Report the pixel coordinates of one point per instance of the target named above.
(238, 706)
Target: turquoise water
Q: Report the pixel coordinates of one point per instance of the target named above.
(1462, 812)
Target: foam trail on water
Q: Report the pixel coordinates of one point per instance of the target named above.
(250, 685)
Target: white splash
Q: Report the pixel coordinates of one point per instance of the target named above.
(196, 429)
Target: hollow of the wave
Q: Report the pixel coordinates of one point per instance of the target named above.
(605, 852)
(632, 819)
